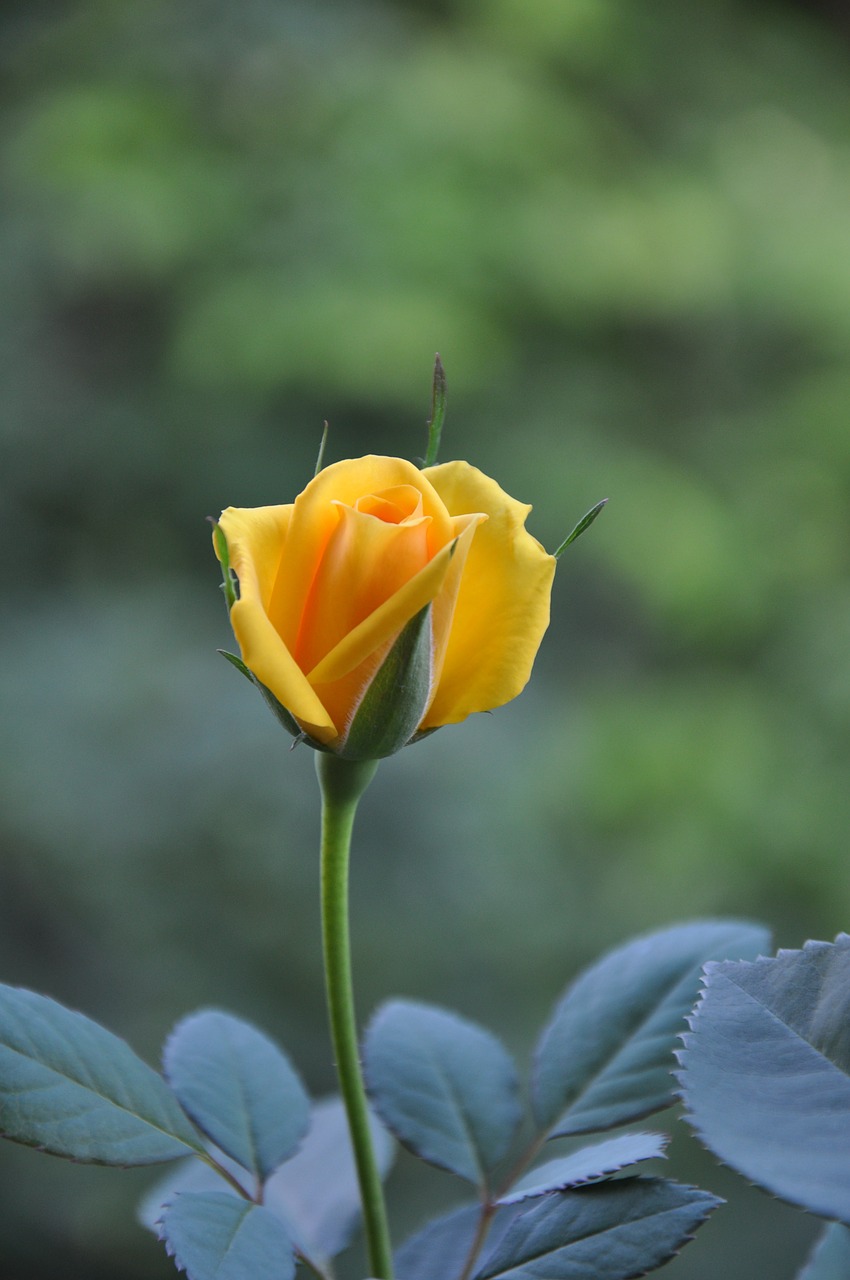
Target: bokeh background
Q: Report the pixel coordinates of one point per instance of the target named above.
(626, 227)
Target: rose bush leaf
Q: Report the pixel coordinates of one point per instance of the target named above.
(610, 1231)
(606, 1056)
(238, 1087)
(443, 1245)
(830, 1259)
(766, 1073)
(445, 1087)
(315, 1194)
(589, 1164)
(70, 1087)
(190, 1174)
(215, 1236)
(440, 1248)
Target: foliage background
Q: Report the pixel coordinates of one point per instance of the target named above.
(625, 227)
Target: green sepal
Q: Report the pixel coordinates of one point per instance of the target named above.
(286, 718)
(438, 411)
(320, 460)
(423, 733)
(395, 702)
(283, 716)
(584, 523)
(237, 663)
(228, 586)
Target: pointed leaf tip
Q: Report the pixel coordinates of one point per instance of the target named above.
(320, 459)
(584, 523)
(613, 1231)
(237, 663)
(605, 1057)
(438, 411)
(70, 1087)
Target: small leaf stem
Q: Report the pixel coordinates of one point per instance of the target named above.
(343, 783)
(488, 1210)
(227, 1175)
(314, 1266)
(521, 1164)
(490, 1206)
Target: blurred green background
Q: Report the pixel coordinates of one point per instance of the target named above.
(626, 227)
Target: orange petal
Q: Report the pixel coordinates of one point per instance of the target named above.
(366, 561)
(342, 691)
(315, 517)
(382, 626)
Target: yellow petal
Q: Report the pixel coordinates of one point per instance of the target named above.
(502, 607)
(445, 601)
(315, 517)
(255, 539)
(256, 535)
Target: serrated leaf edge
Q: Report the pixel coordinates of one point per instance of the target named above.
(841, 939)
(602, 1175)
(711, 1202)
(552, 1132)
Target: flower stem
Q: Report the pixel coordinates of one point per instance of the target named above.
(343, 783)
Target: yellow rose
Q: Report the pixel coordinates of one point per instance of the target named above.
(387, 601)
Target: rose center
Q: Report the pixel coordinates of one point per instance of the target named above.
(393, 506)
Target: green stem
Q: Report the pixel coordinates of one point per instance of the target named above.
(343, 783)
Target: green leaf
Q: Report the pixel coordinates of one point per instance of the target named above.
(830, 1259)
(239, 1088)
(441, 1248)
(590, 1164)
(228, 586)
(395, 701)
(237, 663)
(612, 1231)
(277, 708)
(766, 1073)
(190, 1174)
(438, 411)
(215, 1236)
(606, 1056)
(70, 1087)
(445, 1087)
(320, 459)
(315, 1194)
(584, 523)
